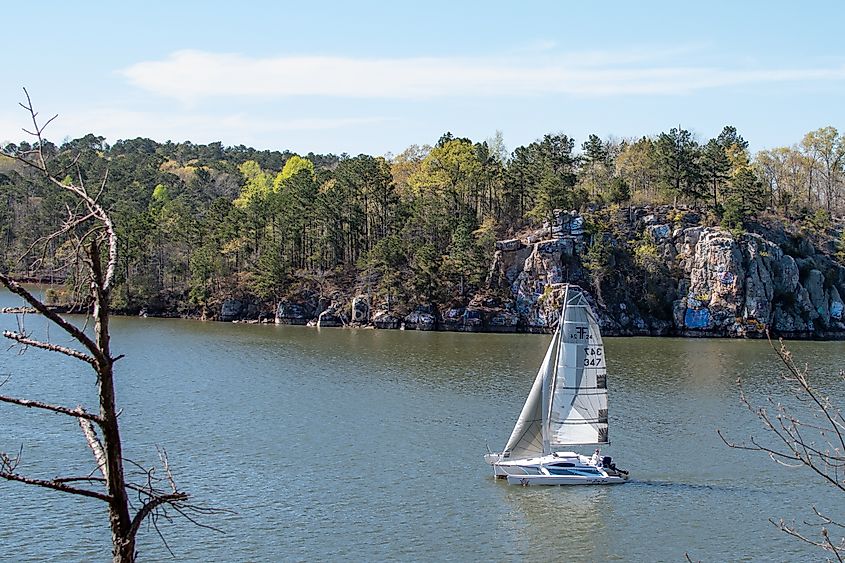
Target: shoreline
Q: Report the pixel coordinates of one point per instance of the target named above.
(818, 336)
(438, 325)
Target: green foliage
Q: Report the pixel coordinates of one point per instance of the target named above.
(387, 259)
(715, 167)
(840, 247)
(595, 150)
(729, 137)
(647, 257)
(746, 192)
(450, 171)
(825, 149)
(819, 221)
(204, 265)
(745, 198)
(620, 191)
(599, 222)
(425, 268)
(468, 255)
(733, 215)
(677, 157)
(541, 178)
(270, 277)
(294, 166)
(637, 164)
(599, 258)
(161, 194)
(256, 185)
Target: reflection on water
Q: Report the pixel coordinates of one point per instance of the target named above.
(366, 445)
(544, 515)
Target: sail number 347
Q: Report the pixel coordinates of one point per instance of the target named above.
(593, 356)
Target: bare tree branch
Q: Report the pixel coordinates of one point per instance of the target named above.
(162, 455)
(26, 341)
(808, 435)
(68, 327)
(95, 444)
(8, 466)
(54, 485)
(152, 505)
(77, 412)
(17, 310)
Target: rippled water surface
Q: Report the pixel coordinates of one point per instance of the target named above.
(366, 445)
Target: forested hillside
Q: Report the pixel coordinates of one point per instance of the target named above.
(199, 224)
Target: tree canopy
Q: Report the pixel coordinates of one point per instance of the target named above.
(201, 222)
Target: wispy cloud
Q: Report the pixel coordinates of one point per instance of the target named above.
(195, 75)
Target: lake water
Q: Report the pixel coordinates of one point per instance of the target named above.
(367, 445)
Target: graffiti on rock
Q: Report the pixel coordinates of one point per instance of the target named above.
(697, 318)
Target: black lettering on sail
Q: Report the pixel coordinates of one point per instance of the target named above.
(601, 381)
(603, 416)
(580, 333)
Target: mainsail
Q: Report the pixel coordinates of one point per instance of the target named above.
(578, 409)
(567, 405)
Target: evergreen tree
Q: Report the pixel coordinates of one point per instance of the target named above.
(679, 170)
(715, 167)
(595, 150)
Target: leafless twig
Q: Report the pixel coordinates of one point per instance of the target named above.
(809, 435)
(88, 230)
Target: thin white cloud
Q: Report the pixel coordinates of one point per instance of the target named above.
(195, 75)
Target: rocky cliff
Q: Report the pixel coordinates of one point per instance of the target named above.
(649, 271)
(703, 280)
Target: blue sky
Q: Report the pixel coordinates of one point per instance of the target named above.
(376, 77)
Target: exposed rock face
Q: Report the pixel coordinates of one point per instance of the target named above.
(504, 321)
(421, 319)
(740, 286)
(386, 319)
(237, 309)
(360, 309)
(230, 310)
(292, 314)
(726, 285)
(463, 319)
(331, 317)
(526, 271)
(732, 283)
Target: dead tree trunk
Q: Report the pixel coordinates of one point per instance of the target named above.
(90, 230)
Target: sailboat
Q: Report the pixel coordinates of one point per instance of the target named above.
(566, 407)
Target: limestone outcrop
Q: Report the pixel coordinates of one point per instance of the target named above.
(238, 309)
(714, 282)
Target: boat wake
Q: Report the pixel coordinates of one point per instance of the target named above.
(674, 485)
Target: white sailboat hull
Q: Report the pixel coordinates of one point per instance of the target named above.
(559, 468)
(526, 480)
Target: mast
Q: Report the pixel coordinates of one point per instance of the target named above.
(551, 382)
